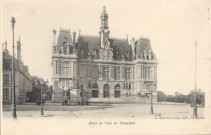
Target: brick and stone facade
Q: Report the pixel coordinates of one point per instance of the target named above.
(102, 68)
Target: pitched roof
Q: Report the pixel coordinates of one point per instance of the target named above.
(89, 43)
(142, 45)
(7, 64)
(6, 55)
(121, 48)
(64, 34)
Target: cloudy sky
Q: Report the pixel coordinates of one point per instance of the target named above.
(171, 25)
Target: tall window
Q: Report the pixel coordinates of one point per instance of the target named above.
(144, 72)
(128, 73)
(105, 73)
(95, 71)
(69, 68)
(150, 72)
(58, 67)
(63, 67)
(83, 70)
(89, 70)
(116, 73)
(95, 91)
(117, 91)
(123, 72)
(128, 86)
(5, 93)
(6, 79)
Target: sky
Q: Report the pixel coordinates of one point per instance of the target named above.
(172, 27)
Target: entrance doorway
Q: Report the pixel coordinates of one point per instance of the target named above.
(95, 91)
(106, 91)
(117, 91)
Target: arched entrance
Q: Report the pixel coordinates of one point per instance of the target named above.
(106, 91)
(117, 91)
(95, 91)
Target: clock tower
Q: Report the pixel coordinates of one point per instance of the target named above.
(104, 30)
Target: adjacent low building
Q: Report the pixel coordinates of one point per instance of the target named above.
(102, 68)
(23, 81)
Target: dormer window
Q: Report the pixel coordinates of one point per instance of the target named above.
(82, 52)
(148, 56)
(127, 53)
(95, 51)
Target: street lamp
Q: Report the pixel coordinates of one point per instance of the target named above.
(150, 88)
(195, 102)
(13, 73)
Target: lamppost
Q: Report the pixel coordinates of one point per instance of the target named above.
(41, 83)
(150, 88)
(195, 102)
(13, 73)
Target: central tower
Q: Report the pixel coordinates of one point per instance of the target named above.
(104, 30)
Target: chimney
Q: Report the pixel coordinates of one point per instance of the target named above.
(74, 37)
(19, 49)
(54, 37)
(4, 47)
(133, 46)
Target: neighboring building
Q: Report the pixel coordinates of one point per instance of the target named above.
(35, 94)
(23, 81)
(101, 68)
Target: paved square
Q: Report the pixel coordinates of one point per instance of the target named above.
(161, 111)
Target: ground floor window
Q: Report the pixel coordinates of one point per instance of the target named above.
(94, 93)
(5, 93)
(117, 94)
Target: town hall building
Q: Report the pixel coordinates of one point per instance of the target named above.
(101, 68)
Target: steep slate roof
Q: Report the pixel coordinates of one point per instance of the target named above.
(142, 45)
(63, 33)
(120, 47)
(6, 55)
(7, 59)
(89, 43)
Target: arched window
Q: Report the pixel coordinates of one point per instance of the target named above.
(95, 91)
(117, 91)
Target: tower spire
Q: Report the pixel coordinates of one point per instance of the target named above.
(104, 30)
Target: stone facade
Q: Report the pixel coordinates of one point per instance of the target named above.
(102, 68)
(23, 81)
